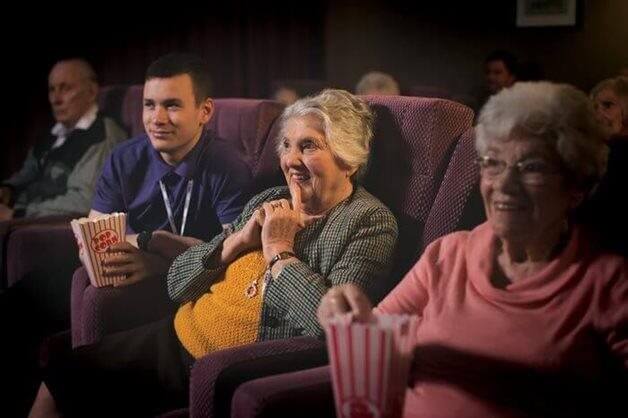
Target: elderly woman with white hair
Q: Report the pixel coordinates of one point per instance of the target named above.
(520, 316)
(261, 279)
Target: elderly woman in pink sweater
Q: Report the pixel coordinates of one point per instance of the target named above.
(520, 316)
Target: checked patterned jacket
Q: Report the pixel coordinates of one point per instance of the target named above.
(354, 243)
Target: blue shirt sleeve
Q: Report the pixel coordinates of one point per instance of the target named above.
(231, 190)
(108, 194)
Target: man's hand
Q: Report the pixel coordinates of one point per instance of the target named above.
(6, 213)
(125, 259)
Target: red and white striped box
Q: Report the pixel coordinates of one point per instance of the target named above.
(94, 237)
(370, 364)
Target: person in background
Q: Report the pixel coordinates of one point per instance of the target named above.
(377, 83)
(605, 212)
(500, 69)
(60, 172)
(286, 95)
(610, 101)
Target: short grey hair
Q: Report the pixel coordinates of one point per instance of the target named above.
(619, 85)
(84, 67)
(559, 114)
(346, 120)
(377, 82)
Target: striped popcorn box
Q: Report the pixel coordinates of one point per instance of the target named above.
(94, 236)
(370, 364)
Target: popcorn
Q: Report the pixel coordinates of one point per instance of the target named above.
(94, 236)
(370, 364)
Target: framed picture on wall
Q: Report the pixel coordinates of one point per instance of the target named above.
(546, 13)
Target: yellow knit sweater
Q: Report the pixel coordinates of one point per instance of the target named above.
(224, 317)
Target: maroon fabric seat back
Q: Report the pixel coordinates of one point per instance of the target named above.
(458, 203)
(110, 103)
(413, 142)
(252, 126)
(131, 110)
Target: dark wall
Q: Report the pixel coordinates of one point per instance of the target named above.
(246, 45)
(445, 44)
(249, 44)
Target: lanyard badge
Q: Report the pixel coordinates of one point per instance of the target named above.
(186, 206)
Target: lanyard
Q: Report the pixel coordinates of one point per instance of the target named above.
(186, 206)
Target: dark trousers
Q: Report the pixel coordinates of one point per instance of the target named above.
(36, 306)
(140, 372)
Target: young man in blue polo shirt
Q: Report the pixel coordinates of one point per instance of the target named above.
(177, 183)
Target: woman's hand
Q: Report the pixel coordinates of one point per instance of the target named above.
(281, 224)
(282, 221)
(251, 235)
(246, 239)
(136, 265)
(347, 298)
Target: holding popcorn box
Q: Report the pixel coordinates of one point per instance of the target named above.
(370, 364)
(94, 237)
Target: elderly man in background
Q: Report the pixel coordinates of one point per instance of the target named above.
(59, 173)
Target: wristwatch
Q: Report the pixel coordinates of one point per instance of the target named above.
(143, 238)
(281, 256)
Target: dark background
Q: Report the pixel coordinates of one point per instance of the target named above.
(248, 45)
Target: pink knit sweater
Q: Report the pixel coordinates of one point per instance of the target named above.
(552, 322)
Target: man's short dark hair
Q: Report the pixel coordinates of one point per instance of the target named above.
(508, 58)
(175, 64)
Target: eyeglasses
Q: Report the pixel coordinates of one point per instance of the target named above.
(533, 171)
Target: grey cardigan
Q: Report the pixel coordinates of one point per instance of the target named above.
(354, 243)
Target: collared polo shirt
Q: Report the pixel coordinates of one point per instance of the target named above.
(130, 183)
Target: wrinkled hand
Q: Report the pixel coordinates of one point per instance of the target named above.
(136, 265)
(251, 235)
(282, 221)
(6, 213)
(342, 299)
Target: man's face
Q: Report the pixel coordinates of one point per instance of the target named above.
(172, 118)
(70, 92)
(498, 76)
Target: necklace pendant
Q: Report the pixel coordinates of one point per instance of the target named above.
(251, 291)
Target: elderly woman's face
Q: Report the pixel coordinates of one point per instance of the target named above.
(608, 111)
(306, 159)
(524, 193)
